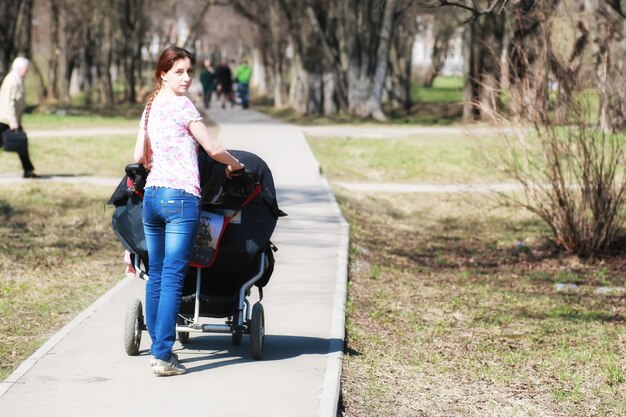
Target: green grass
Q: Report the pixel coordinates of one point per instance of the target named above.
(446, 318)
(55, 121)
(429, 159)
(104, 156)
(444, 90)
(57, 255)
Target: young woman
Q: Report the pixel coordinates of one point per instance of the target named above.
(170, 130)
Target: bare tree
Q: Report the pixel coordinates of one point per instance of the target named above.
(445, 27)
(15, 31)
(132, 22)
(483, 41)
(271, 42)
(528, 58)
(401, 57)
(342, 52)
(608, 44)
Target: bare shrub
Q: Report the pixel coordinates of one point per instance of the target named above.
(572, 177)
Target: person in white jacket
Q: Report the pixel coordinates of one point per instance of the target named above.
(12, 106)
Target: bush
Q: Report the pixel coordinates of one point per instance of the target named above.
(572, 177)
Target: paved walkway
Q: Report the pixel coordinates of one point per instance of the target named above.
(84, 371)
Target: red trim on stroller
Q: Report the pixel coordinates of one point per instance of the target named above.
(131, 186)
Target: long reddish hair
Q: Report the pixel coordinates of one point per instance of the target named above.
(166, 61)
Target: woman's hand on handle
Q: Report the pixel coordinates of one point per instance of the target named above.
(231, 172)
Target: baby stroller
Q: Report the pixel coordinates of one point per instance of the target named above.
(226, 265)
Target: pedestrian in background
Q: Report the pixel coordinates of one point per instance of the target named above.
(12, 106)
(167, 144)
(243, 73)
(207, 78)
(224, 82)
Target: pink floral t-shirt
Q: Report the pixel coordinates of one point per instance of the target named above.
(174, 149)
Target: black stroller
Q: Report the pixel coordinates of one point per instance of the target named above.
(219, 280)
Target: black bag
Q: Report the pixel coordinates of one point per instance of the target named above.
(14, 141)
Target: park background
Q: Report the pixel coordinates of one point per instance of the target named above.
(468, 302)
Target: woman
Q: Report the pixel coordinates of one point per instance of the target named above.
(170, 130)
(12, 105)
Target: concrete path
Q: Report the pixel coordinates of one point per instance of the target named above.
(84, 371)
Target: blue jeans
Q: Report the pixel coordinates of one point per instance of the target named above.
(170, 222)
(243, 91)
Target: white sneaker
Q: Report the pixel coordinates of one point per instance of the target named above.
(153, 360)
(167, 368)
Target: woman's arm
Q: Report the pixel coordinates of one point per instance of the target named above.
(139, 147)
(217, 152)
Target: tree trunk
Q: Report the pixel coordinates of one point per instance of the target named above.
(131, 20)
(566, 72)
(55, 52)
(299, 88)
(259, 78)
(15, 32)
(482, 46)
(89, 63)
(609, 46)
(63, 76)
(444, 29)
(438, 59)
(276, 46)
(528, 58)
(374, 104)
(104, 55)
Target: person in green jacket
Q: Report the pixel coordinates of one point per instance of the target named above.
(207, 78)
(243, 73)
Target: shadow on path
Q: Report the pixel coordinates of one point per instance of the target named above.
(220, 351)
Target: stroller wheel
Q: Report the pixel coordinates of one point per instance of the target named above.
(257, 331)
(183, 337)
(133, 327)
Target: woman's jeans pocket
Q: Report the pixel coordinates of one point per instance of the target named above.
(170, 221)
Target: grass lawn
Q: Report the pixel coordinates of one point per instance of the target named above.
(448, 314)
(422, 158)
(104, 156)
(444, 90)
(57, 255)
(452, 303)
(59, 252)
(36, 121)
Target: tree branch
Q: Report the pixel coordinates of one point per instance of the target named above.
(195, 26)
(244, 12)
(475, 9)
(617, 6)
(315, 24)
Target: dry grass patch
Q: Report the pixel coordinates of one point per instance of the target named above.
(448, 314)
(57, 255)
